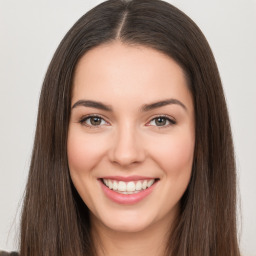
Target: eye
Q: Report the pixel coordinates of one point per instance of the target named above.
(162, 121)
(93, 121)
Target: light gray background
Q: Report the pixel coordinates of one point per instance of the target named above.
(31, 30)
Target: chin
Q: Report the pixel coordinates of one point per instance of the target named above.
(128, 221)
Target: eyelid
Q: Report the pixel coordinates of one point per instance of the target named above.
(169, 118)
(83, 119)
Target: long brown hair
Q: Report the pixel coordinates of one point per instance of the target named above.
(55, 221)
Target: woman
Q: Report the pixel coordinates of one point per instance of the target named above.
(133, 152)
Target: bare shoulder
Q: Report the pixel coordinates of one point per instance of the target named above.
(8, 253)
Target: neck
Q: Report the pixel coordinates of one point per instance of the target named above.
(148, 242)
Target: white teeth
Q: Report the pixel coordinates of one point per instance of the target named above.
(150, 183)
(144, 184)
(130, 187)
(115, 185)
(110, 184)
(138, 185)
(121, 186)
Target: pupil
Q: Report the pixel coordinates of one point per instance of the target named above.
(95, 120)
(161, 121)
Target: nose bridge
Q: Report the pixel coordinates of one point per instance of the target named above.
(127, 147)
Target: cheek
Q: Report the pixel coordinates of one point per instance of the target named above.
(175, 154)
(84, 152)
(175, 157)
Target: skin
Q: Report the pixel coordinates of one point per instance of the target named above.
(129, 141)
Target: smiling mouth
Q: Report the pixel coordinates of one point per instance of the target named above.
(130, 187)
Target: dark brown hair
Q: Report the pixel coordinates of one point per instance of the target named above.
(55, 221)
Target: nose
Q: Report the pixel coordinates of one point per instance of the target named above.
(127, 147)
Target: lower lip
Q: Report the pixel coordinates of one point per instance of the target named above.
(124, 198)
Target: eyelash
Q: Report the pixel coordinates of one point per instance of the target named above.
(168, 119)
(165, 117)
(85, 118)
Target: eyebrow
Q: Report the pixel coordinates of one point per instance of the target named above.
(148, 107)
(144, 108)
(92, 104)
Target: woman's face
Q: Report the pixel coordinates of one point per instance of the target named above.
(132, 128)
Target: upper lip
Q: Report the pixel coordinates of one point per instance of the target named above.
(127, 178)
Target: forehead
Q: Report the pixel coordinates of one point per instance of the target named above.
(116, 71)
